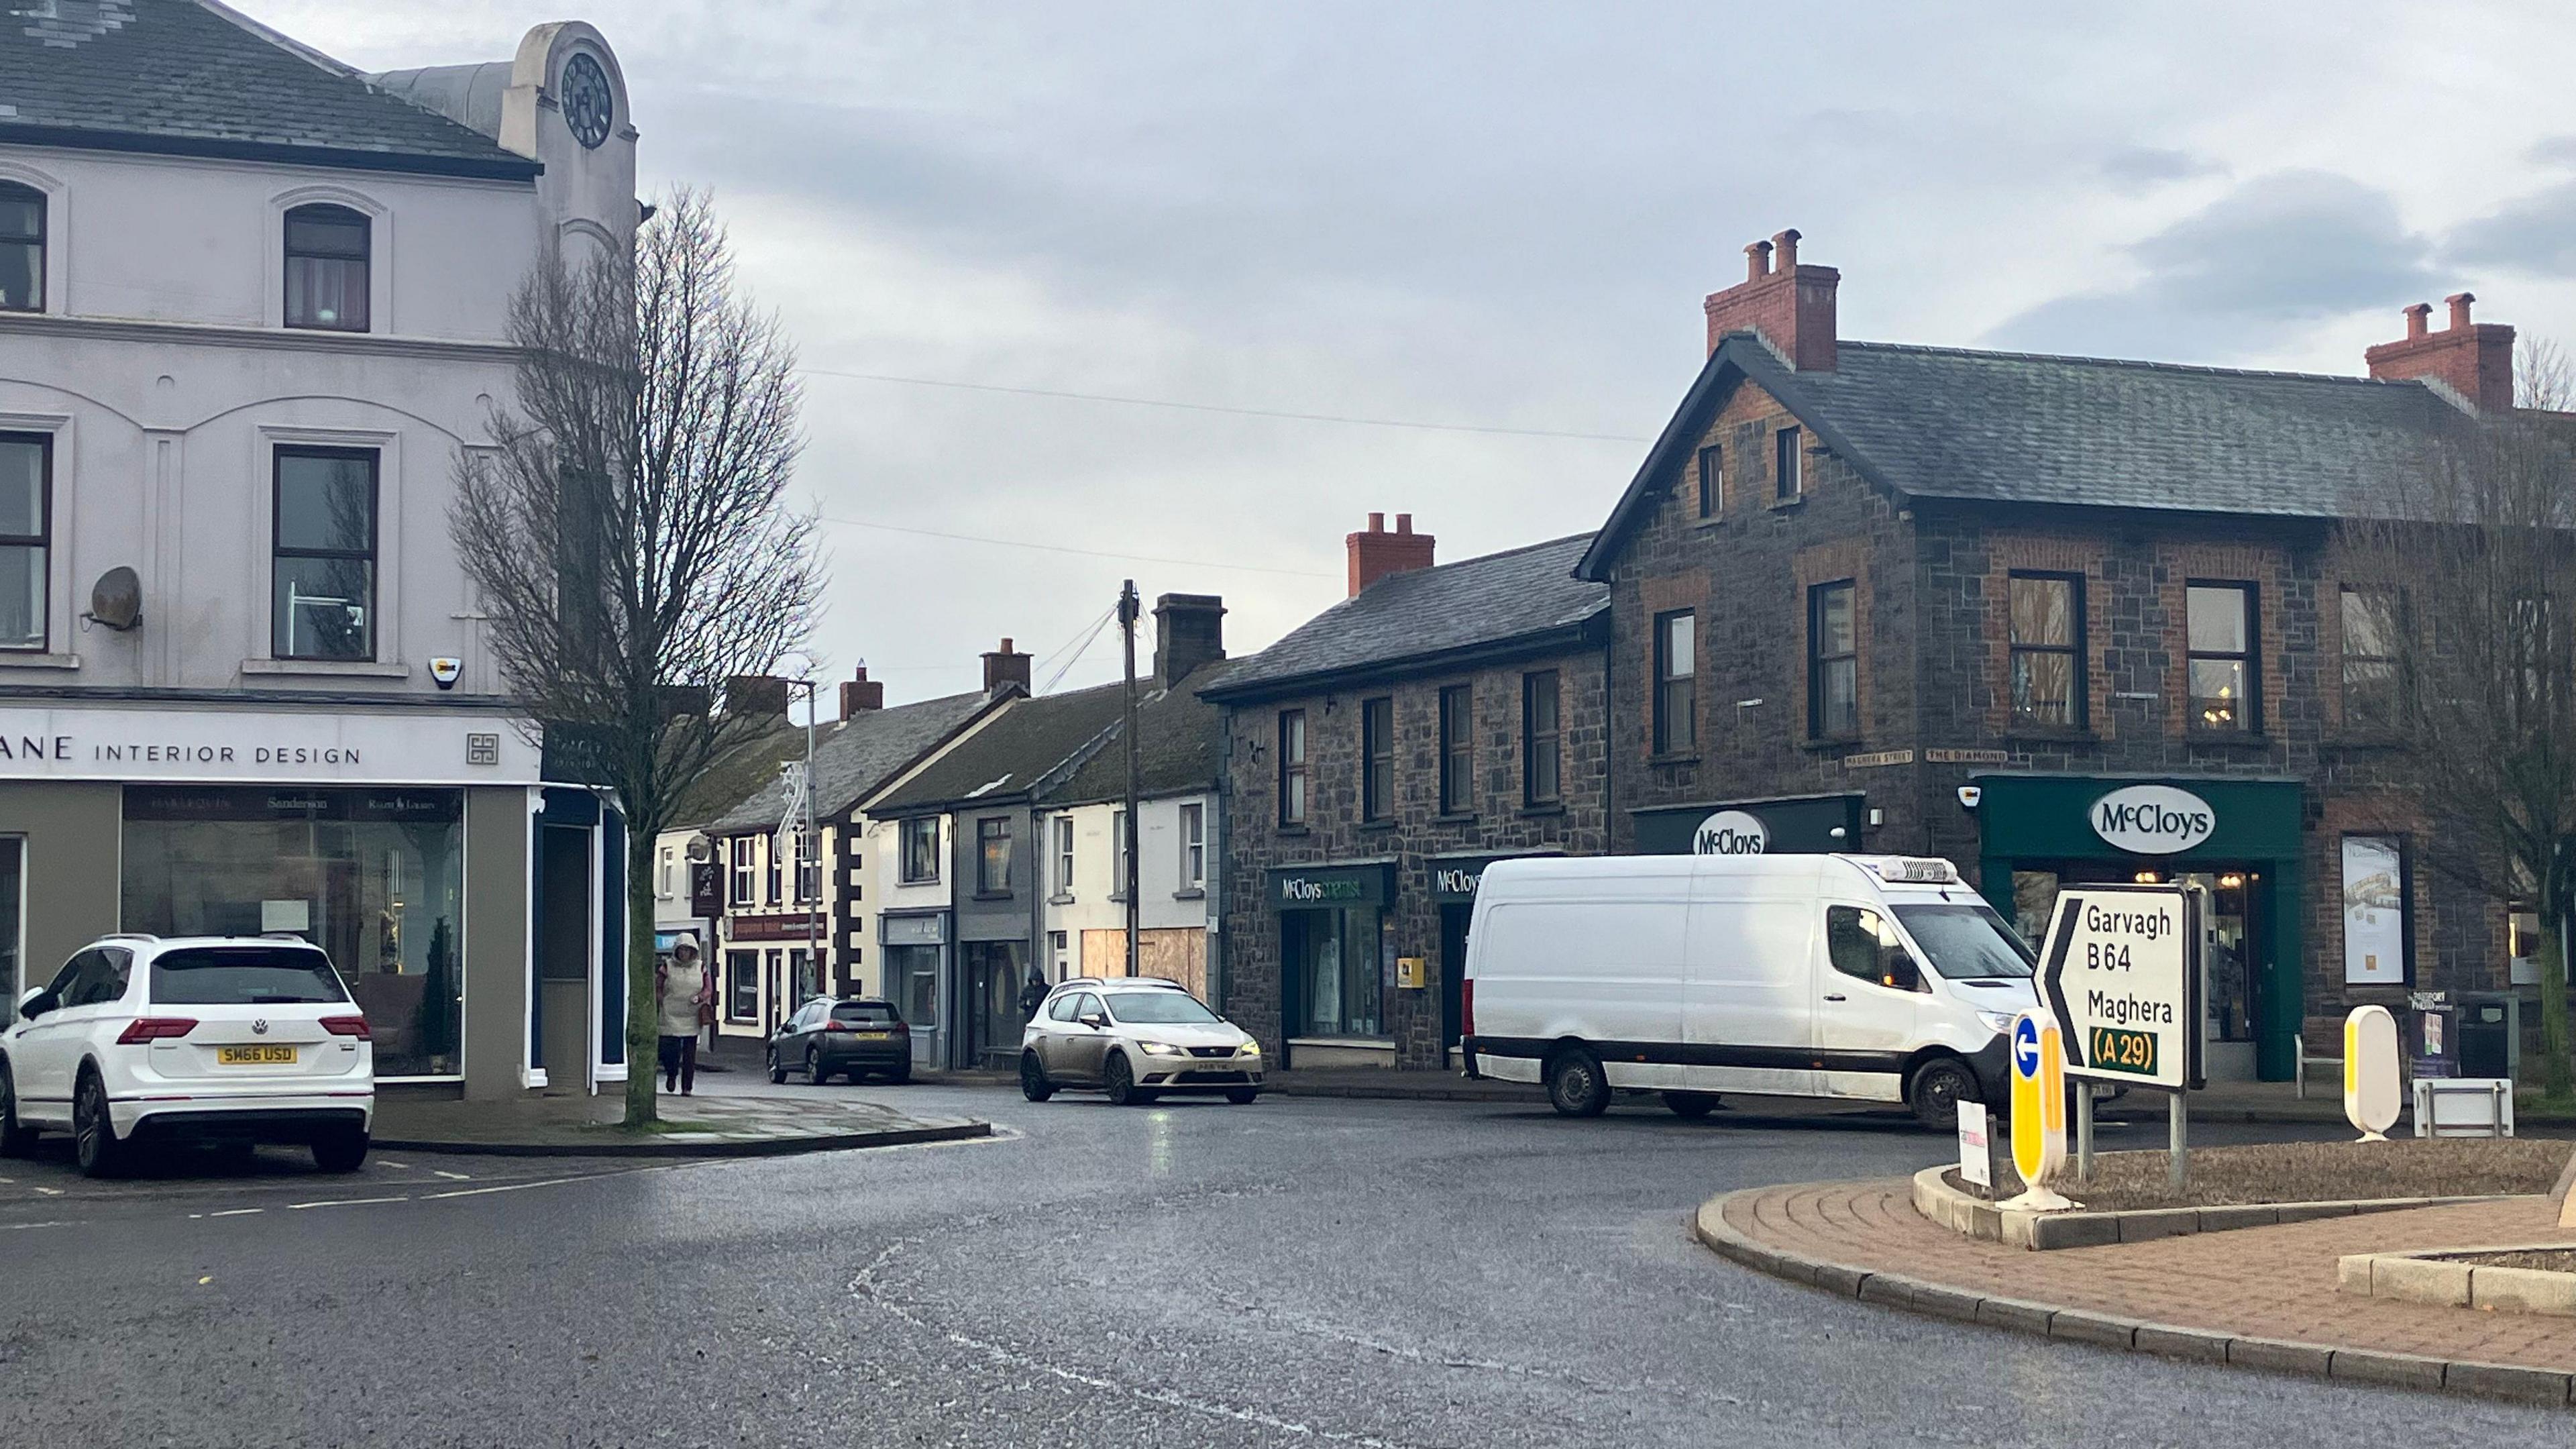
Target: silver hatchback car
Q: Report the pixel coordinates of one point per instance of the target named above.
(1136, 1038)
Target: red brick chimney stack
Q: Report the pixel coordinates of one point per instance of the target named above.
(861, 694)
(1005, 665)
(1791, 303)
(1377, 553)
(2473, 359)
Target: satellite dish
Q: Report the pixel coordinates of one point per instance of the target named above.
(116, 600)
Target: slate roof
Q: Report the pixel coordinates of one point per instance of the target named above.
(855, 758)
(2010, 427)
(192, 78)
(1517, 599)
(1024, 749)
(1177, 736)
(736, 774)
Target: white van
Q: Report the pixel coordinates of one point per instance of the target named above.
(1865, 977)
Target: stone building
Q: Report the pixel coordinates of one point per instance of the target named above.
(1376, 760)
(1858, 586)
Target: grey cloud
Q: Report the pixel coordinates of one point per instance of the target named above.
(2142, 166)
(2280, 250)
(2534, 233)
(2553, 151)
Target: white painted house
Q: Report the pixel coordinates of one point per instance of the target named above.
(252, 306)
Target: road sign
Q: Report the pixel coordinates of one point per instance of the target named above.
(2121, 977)
(2038, 1111)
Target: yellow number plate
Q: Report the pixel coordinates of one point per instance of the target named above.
(874, 1035)
(255, 1056)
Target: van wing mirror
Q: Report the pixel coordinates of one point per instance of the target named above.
(1897, 968)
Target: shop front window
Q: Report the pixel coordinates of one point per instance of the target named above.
(912, 979)
(1335, 956)
(742, 985)
(373, 877)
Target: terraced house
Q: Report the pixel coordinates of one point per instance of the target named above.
(1377, 759)
(1856, 586)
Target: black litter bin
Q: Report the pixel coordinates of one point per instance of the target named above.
(2486, 1038)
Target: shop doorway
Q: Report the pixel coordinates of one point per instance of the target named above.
(564, 936)
(991, 1039)
(1453, 976)
(2240, 954)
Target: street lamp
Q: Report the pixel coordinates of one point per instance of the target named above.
(812, 838)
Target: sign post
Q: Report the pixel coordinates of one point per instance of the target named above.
(2121, 979)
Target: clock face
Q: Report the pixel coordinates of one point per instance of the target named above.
(588, 104)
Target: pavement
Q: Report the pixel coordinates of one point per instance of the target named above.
(708, 1124)
(2265, 1297)
(1297, 1272)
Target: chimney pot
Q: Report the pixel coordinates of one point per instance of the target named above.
(1784, 249)
(2416, 320)
(1757, 261)
(1377, 553)
(2460, 308)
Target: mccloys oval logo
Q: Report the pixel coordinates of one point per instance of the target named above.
(2153, 819)
(1730, 832)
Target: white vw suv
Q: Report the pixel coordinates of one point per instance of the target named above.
(204, 1038)
(1135, 1037)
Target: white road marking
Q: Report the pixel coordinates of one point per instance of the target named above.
(234, 1213)
(51, 1191)
(345, 1202)
(452, 1176)
(505, 1187)
(396, 1166)
(22, 1227)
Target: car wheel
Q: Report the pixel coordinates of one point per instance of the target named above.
(1939, 1086)
(777, 1073)
(1691, 1105)
(15, 1139)
(1576, 1085)
(1119, 1080)
(1243, 1096)
(814, 1066)
(94, 1144)
(341, 1151)
(1033, 1082)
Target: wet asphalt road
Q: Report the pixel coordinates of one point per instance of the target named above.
(1296, 1272)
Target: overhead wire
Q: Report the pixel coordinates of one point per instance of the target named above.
(1347, 419)
(1084, 552)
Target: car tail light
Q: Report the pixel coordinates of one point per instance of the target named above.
(1467, 1007)
(154, 1028)
(348, 1026)
(839, 1026)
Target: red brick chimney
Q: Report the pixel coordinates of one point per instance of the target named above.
(1787, 301)
(861, 694)
(1005, 665)
(2473, 359)
(1377, 553)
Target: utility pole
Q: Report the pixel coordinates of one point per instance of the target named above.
(813, 843)
(1127, 611)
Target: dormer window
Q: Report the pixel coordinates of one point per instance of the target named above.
(326, 268)
(22, 248)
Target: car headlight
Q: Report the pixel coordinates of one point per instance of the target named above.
(1998, 1020)
(1160, 1049)
(1248, 1049)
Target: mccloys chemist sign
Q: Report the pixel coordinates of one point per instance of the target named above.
(2121, 977)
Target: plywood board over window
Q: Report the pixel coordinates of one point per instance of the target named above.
(1174, 953)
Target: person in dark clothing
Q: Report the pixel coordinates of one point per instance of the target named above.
(1032, 995)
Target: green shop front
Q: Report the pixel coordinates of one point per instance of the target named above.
(2239, 837)
(1336, 962)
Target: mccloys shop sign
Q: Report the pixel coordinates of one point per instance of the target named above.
(2077, 817)
(1325, 888)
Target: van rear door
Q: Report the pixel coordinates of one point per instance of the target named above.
(1869, 992)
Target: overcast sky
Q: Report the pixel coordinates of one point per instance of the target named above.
(1488, 216)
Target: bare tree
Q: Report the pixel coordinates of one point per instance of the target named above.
(629, 537)
(2462, 576)
(2542, 375)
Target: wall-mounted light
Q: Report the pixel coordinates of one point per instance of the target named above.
(1877, 817)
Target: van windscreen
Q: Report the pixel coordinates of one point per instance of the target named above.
(1967, 940)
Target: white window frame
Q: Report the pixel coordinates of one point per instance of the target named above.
(1193, 845)
(742, 872)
